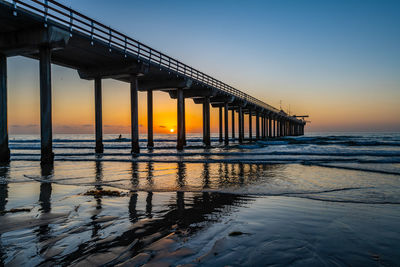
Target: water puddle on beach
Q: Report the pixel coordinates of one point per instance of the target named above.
(310, 200)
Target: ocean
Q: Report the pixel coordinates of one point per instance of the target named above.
(329, 199)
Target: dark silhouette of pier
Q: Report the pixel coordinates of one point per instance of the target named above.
(53, 33)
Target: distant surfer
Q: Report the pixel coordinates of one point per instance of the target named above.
(119, 137)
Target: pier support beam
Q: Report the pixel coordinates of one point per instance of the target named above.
(46, 133)
(262, 126)
(4, 149)
(241, 131)
(291, 128)
(279, 127)
(265, 126)
(250, 125)
(269, 127)
(184, 121)
(134, 115)
(233, 124)
(150, 140)
(206, 121)
(220, 124)
(257, 125)
(287, 127)
(226, 123)
(98, 115)
(283, 128)
(181, 119)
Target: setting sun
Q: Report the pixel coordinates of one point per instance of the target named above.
(171, 130)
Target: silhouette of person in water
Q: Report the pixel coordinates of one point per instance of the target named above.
(120, 137)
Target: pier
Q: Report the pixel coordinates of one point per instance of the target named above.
(55, 34)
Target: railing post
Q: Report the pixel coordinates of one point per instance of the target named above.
(4, 149)
(134, 114)
(46, 134)
(98, 115)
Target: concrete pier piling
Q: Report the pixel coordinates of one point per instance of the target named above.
(46, 132)
(283, 128)
(150, 140)
(262, 126)
(220, 124)
(250, 125)
(226, 123)
(204, 125)
(134, 114)
(184, 121)
(233, 124)
(4, 149)
(270, 121)
(241, 131)
(206, 121)
(98, 115)
(180, 119)
(257, 125)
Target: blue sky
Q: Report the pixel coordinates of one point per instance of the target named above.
(338, 61)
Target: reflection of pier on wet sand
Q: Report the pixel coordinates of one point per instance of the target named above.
(182, 214)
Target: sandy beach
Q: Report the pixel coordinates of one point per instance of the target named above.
(201, 214)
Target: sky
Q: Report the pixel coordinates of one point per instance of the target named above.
(337, 61)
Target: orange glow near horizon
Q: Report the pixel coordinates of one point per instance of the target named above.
(73, 106)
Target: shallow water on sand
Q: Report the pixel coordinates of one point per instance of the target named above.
(298, 201)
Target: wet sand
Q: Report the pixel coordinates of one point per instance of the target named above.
(183, 214)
